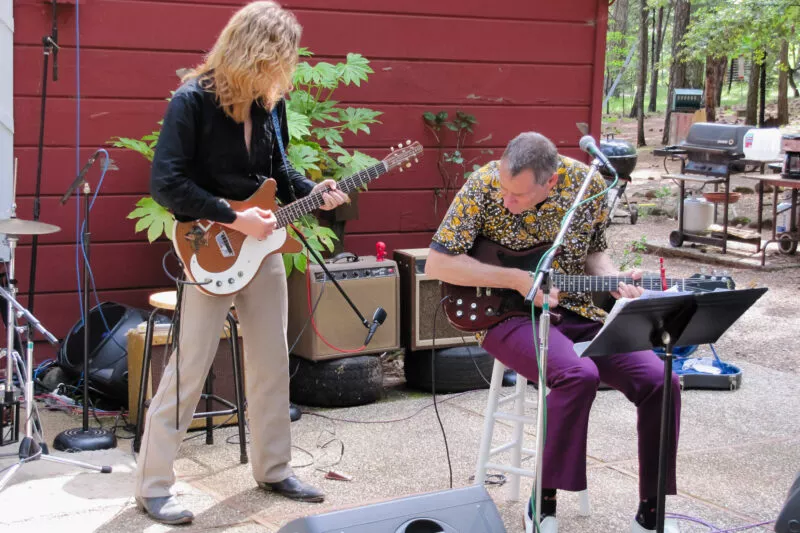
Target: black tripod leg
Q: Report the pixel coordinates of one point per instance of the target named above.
(664, 446)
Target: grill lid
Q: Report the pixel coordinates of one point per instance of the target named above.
(727, 139)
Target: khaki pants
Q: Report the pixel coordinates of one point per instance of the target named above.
(262, 308)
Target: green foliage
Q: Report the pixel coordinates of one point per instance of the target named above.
(151, 216)
(319, 238)
(451, 164)
(316, 127)
(730, 28)
(632, 254)
(317, 122)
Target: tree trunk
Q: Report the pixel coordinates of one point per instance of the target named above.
(659, 28)
(695, 74)
(762, 96)
(677, 71)
(641, 83)
(793, 84)
(621, 16)
(715, 68)
(751, 116)
(722, 66)
(635, 107)
(783, 85)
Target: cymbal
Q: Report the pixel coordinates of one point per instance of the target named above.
(18, 226)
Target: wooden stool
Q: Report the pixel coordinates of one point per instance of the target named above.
(493, 412)
(167, 301)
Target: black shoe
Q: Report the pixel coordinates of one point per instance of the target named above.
(294, 413)
(166, 510)
(293, 488)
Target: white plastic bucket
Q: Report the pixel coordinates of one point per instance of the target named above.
(782, 218)
(698, 215)
(762, 144)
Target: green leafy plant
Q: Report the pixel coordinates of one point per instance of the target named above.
(317, 124)
(452, 165)
(632, 254)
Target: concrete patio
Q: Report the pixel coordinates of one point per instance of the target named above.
(739, 452)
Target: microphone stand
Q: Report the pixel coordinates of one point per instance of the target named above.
(50, 46)
(543, 280)
(333, 279)
(84, 438)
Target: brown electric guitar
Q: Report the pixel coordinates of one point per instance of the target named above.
(224, 261)
(476, 309)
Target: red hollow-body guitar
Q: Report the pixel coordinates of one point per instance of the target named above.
(474, 309)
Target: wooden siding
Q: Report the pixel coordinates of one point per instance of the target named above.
(516, 65)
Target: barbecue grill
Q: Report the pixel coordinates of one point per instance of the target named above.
(709, 155)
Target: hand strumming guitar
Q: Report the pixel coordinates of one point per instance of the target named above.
(255, 222)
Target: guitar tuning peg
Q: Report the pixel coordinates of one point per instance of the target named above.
(416, 160)
(408, 142)
(391, 148)
(400, 145)
(401, 169)
(703, 270)
(408, 165)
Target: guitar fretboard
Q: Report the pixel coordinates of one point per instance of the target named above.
(570, 283)
(291, 212)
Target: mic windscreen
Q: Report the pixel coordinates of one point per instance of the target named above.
(379, 316)
(585, 142)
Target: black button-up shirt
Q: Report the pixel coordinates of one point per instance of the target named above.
(201, 158)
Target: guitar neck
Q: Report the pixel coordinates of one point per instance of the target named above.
(569, 283)
(291, 212)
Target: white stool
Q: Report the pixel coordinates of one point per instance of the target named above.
(519, 419)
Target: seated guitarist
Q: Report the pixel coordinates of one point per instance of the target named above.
(519, 202)
(217, 141)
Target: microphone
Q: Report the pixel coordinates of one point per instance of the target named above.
(79, 178)
(377, 319)
(588, 145)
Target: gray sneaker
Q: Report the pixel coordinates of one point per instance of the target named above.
(165, 509)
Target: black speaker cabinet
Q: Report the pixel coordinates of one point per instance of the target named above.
(369, 284)
(465, 510)
(420, 299)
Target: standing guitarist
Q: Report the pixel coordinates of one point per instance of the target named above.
(218, 139)
(519, 202)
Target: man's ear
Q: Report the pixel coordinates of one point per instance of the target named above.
(552, 181)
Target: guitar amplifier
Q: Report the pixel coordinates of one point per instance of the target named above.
(421, 297)
(369, 284)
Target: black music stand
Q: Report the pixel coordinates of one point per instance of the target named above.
(666, 322)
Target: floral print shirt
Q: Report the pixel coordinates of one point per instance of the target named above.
(478, 210)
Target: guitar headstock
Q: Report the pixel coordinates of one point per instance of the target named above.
(402, 155)
(707, 283)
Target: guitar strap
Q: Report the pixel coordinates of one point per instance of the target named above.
(276, 127)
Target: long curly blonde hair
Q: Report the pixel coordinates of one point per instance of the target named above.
(253, 59)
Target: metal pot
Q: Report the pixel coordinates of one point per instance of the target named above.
(621, 155)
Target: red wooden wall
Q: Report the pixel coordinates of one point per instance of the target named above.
(517, 65)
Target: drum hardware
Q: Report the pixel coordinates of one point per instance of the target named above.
(29, 449)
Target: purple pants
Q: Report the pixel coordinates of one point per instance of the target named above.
(573, 384)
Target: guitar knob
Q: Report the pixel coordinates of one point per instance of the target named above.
(459, 301)
(489, 311)
(231, 281)
(459, 313)
(473, 317)
(473, 305)
(240, 274)
(219, 284)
